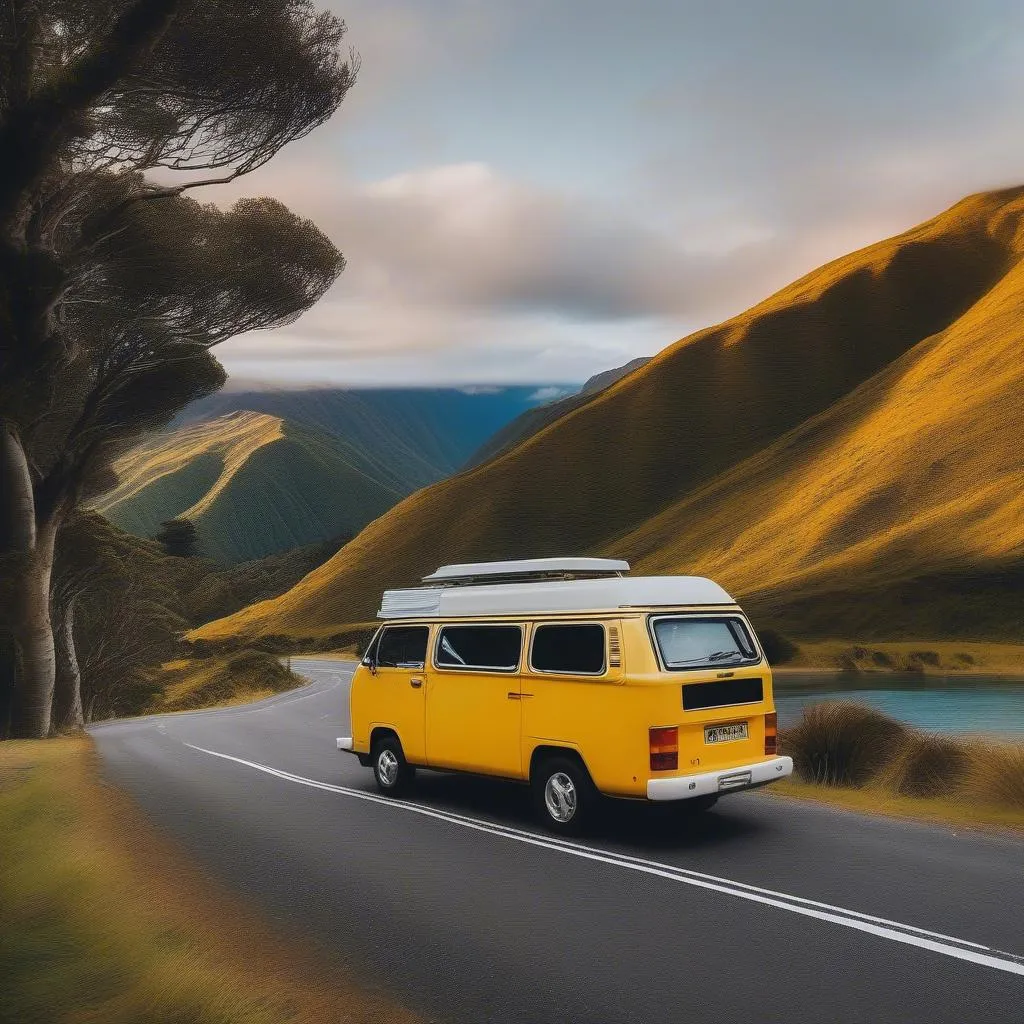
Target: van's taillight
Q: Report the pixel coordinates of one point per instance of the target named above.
(665, 749)
(771, 733)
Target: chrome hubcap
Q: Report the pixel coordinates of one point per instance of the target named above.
(560, 797)
(387, 767)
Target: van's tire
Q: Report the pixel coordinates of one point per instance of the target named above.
(393, 773)
(563, 794)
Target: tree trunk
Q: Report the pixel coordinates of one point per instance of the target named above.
(17, 503)
(30, 545)
(33, 692)
(8, 675)
(67, 693)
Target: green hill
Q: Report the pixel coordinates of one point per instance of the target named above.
(408, 437)
(252, 484)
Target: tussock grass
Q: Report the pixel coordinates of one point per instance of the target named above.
(995, 775)
(842, 743)
(103, 922)
(244, 675)
(842, 747)
(923, 765)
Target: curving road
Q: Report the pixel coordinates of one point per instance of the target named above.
(767, 909)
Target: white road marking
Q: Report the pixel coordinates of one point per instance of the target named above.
(895, 931)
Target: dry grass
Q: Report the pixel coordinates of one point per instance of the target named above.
(956, 813)
(853, 755)
(995, 775)
(923, 765)
(242, 676)
(102, 921)
(841, 743)
(859, 428)
(928, 657)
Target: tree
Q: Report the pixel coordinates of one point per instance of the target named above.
(178, 537)
(114, 284)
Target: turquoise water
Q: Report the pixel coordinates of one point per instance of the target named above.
(980, 704)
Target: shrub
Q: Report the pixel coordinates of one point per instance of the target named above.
(995, 774)
(841, 743)
(204, 682)
(777, 648)
(926, 765)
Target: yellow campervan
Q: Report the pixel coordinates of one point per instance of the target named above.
(570, 675)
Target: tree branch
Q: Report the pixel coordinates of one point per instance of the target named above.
(33, 132)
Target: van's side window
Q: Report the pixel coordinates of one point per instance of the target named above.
(572, 649)
(494, 648)
(402, 647)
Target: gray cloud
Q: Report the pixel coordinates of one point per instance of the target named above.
(539, 191)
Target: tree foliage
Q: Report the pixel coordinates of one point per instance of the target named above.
(114, 282)
(178, 537)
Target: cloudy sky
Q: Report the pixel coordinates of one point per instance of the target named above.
(536, 190)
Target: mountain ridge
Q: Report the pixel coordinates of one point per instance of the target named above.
(253, 484)
(529, 422)
(756, 393)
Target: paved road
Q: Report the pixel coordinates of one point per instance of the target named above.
(767, 909)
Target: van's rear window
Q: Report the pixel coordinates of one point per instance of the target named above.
(693, 641)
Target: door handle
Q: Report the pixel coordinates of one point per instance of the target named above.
(415, 683)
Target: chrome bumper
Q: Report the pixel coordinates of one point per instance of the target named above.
(726, 780)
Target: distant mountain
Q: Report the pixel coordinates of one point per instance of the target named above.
(412, 436)
(844, 456)
(607, 378)
(528, 423)
(253, 485)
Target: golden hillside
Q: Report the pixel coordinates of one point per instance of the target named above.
(860, 426)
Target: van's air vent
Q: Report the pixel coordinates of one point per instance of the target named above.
(614, 648)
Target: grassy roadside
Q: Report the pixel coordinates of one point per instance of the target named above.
(240, 677)
(854, 757)
(101, 920)
(877, 800)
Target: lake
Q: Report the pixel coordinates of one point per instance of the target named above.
(962, 704)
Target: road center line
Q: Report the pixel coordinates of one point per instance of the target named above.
(895, 931)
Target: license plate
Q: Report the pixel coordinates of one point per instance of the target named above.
(725, 733)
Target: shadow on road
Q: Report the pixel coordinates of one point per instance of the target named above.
(632, 822)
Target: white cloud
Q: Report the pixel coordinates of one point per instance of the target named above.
(537, 192)
(549, 393)
(488, 276)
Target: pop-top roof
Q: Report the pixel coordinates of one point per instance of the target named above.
(559, 596)
(523, 569)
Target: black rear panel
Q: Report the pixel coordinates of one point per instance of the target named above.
(722, 693)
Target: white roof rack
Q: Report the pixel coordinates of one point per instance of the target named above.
(552, 595)
(526, 569)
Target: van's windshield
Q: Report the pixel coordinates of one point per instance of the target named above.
(703, 641)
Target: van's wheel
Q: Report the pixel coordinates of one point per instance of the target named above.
(563, 794)
(393, 773)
